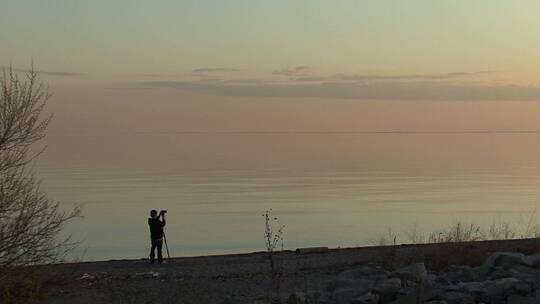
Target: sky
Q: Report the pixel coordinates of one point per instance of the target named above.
(173, 38)
(181, 66)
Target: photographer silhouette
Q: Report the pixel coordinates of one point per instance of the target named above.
(156, 223)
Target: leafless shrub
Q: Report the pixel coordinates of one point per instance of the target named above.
(273, 236)
(29, 221)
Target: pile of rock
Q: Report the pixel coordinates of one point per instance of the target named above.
(510, 278)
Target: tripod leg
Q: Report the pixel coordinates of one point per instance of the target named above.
(167, 248)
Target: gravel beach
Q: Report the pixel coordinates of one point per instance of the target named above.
(245, 278)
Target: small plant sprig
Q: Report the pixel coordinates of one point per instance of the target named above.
(273, 236)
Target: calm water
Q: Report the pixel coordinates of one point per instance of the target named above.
(328, 189)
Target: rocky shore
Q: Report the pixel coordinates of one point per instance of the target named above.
(475, 272)
(504, 277)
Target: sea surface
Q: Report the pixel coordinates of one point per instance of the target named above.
(335, 189)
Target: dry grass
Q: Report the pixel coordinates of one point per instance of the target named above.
(455, 239)
(527, 226)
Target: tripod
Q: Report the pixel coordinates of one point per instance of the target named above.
(166, 247)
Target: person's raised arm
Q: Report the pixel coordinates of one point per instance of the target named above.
(162, 219)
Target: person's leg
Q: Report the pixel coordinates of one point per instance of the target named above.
(159, 245)
(152, 251)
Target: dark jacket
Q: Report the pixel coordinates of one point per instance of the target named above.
(156, 228)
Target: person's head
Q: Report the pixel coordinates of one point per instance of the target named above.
(153, 213)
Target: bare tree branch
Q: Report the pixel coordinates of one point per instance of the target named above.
(30, 222)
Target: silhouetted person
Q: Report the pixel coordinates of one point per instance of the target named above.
(156, 223)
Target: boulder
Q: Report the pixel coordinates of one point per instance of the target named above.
(514, 285)
(313, 296)
(534, 260)
(497, 273)
(502, 288)
(450, 288)
(368, 298)
(336, 284)
(387, 289)
(421, 295)
(414, 273)
(505, 260)
(457, 274)
(504, 278)
(297, 298)
(442, 281)
(478, 290)
(524, 273)
(362, 284)
(518, 299)
(456, 297)
(347, 296)
(363, 272)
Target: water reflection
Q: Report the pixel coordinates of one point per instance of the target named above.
(329, 189)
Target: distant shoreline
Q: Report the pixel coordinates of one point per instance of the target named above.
(326, 250)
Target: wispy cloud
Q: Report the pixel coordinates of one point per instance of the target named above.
(302, 83)
(304, 74)
(379, 77)
(246, 81)
(213, 70)
(313, 78)
(388, 90)
(294, 71)
(443, 76)
(150, 75)
(52, 73)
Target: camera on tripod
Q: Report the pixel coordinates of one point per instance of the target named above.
(163, 211)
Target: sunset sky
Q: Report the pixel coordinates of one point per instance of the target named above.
(173, 38)
(280, 65)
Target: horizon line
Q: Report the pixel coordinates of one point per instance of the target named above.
(313, 132)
